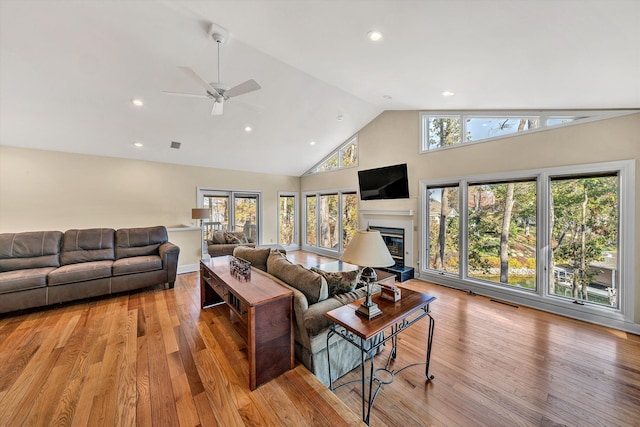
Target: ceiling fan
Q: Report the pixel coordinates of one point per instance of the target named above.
(215, 90)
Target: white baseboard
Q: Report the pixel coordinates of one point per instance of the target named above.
(189, 268)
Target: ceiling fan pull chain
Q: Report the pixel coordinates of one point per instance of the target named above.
(218, 43)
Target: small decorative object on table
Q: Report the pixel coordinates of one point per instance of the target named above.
(390, 292)
(240, 268)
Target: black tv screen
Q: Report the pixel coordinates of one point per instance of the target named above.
(389, 182)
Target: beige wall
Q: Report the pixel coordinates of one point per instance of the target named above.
(46, 190)
(393, 137)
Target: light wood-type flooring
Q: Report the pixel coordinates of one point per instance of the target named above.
(154, 358)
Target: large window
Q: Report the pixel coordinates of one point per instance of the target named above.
(349, 217)
(584, 238)
(335, 223)
(444, 228)
(287, 219)
(245, 211)
(311, 220)
(328, 219)
(501, 232)
(443, 130)
(345, 156)
(551, 237)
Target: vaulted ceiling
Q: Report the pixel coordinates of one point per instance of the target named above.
(69, 70)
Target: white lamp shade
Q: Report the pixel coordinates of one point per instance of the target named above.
(199, 213)
(367, 249)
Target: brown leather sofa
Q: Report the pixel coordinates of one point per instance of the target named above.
(41, 268)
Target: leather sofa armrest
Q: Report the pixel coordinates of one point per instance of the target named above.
(169, 254)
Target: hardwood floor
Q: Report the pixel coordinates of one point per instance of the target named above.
(155, 358)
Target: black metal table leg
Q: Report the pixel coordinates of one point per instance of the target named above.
(432, 325)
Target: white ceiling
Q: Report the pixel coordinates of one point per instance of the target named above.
(68, 70)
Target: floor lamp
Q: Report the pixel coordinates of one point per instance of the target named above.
(200, 213)
(367, 248)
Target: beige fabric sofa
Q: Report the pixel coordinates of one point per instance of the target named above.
(311, 299)
(41, 268)
(224, 242)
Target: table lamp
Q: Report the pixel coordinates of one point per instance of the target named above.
(367, 249)
(200, 213)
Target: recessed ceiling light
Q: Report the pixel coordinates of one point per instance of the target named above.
(340, 118)
(248, 129)
(387, 97)
(374, 36)
(447, 93)
(312, 143)
(138, 144)
(137, 102)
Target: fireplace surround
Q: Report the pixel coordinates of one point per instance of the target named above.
(394, 239)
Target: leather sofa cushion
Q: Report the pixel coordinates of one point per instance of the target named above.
(21, 280)
(32, 249)
(138, 264)
(256, 256)
(94, 244)
(132, 242)
(80, 272)
(311, 284)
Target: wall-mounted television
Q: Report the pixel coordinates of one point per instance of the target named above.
(389, 182)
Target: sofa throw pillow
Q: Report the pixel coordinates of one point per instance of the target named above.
(339, 283)
(310, 283)
(218, 238)
(241, 237)
(256, 256)
(231, 238)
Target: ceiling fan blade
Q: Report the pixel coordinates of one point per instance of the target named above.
(217, 108)
(192, 95)
(196, 77)
(242, 88)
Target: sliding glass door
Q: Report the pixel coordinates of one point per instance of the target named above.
(231, 211)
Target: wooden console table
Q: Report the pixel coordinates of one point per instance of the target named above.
(261, 311)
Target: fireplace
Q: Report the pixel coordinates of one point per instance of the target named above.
(394, 239)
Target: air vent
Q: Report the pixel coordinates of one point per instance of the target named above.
(176, 145)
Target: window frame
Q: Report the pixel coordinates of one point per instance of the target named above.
(202, 192)
(318, 167)
(579, 116)
(296, 216)
(317, 248)
(541, 298)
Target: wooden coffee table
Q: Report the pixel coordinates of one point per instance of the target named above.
(261, 311)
